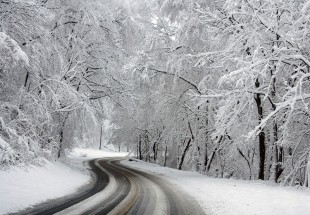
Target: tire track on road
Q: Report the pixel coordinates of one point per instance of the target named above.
(120, 189)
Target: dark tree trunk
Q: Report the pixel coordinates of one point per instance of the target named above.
(211, 160)
(278, 156)
(261, 136)
(205, 157)
(146, 147)
(165, 158)
(61, 134)
(139, 148)
(155, 152)
(207, 140)
(213, 154)
(100, 138)
(278, 149)
(187, 146)
(247, 161)
(26, 79)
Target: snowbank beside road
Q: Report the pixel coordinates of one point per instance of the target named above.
(20, 188)
(233, 197)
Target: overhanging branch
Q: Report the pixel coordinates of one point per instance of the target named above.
(180, 77)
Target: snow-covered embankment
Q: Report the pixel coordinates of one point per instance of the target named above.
(21, 188)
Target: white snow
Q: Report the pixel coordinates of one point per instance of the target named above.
(234, 197)
(6, 42)
(20, 188)
(306, 7)
(94, 153)
(6, 152)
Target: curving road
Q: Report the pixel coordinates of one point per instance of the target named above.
(119, 189)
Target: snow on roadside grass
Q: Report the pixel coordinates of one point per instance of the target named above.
(233, 197)
(21, 188)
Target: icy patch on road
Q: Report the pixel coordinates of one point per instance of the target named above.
(233, 197)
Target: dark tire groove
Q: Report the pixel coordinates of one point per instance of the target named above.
(126, 178)
(123, 188)
(173, 209)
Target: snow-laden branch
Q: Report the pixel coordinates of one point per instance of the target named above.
(180, 77)
(279, 107)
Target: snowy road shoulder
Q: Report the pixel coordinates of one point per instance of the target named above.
(233, 197)
(21, 188)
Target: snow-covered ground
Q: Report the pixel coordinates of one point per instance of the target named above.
(20, 188)
(234, 197)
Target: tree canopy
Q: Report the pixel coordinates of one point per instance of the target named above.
(220, 87)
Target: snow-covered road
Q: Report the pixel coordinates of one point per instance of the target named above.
(134, 192)
(122, 190)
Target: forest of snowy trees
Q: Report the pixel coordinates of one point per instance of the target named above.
(220, 87)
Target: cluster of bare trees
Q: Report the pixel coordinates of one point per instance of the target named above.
(221, 87)
(58, 64)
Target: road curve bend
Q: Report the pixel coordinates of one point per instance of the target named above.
(119, 189)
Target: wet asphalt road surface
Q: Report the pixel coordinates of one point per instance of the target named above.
(119, 189)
